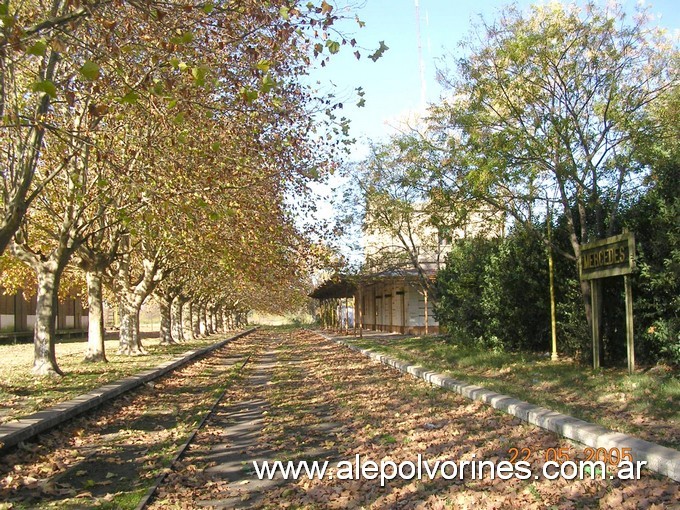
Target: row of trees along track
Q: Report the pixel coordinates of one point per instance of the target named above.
(148, 148)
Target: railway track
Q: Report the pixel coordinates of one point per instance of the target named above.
(311, 399)
(120, 451)
(28, 427)
(186, 441)
(151, 493)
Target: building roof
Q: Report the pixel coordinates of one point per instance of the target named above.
(338, 286)
(344, 286)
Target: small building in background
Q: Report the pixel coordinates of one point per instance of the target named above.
(18, 315)
(394, 301)
(390, 301)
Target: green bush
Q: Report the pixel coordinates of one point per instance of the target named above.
(655, 220)
(495, 292)
(459, 297)
(515, 297)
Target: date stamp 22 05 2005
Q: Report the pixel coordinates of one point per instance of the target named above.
(564, 462)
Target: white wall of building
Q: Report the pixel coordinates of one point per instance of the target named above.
(391, 305)
(6, 322)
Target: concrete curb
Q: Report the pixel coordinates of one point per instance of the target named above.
(13, 432)
(660, 459)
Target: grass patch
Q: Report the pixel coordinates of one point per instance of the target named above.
(386, 439)
(22, 393)
(644, 404)
(124, 500)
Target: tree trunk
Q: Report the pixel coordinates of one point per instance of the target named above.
(48, 273)
(225, 320)
(95, 329)
(241, 320)
(217, 320)
(219, 324)
(211, 322)
(176, 317)
(195, 320)
(29, 147)
(165, 333)
(126, 335)
(130, 339)
(584, 284)
(44, 359)
(136, 335)
(204, 323)
(187, 327)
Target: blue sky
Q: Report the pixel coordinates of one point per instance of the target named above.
(393, 84)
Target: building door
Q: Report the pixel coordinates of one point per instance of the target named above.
(378, 313)
(399, 312)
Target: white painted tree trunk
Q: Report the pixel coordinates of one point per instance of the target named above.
(204, 323)
(48, 272)
(165, 332)
(95, 329)
(176, 317)
(130, 339)
(126, 334)
(187, 327)
(44, 333)
(195, 320)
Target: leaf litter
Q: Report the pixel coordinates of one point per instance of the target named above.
(115, 453)
(326, 402)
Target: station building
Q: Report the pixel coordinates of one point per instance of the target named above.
(18, 315)
(391, 293)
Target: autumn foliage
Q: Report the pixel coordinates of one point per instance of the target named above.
(156, 148)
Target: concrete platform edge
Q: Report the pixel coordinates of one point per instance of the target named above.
(660, 459)
(27, 427)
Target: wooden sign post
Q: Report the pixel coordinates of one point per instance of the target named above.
(614, 256)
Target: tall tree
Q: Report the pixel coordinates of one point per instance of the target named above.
(407, 222)
(155, 110)
(399, 233)
(548, 103)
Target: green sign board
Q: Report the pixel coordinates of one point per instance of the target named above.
(614, 256)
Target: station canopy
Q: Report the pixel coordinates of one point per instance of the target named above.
(345, 286)
(338, 286)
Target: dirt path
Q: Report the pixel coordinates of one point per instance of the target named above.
(310, 399)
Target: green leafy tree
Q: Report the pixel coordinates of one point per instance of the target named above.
(549, 104)
(655, 219)
(405, 224)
